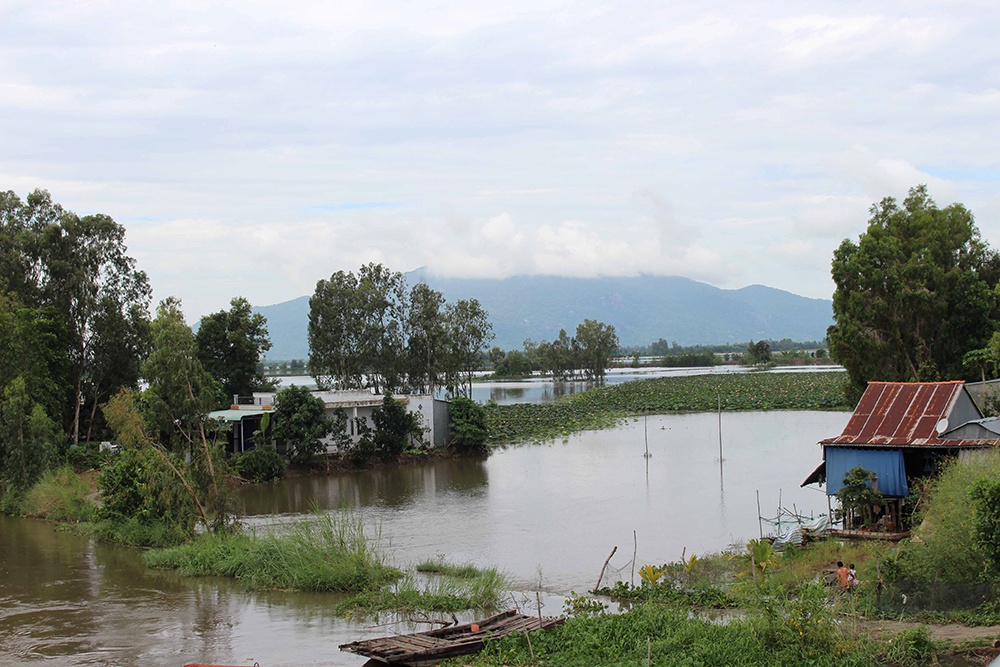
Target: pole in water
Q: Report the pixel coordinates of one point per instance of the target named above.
(719, 396)
(645, 434)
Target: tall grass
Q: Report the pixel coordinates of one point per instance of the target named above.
(481, 591)
(327, 553)
(62, 495)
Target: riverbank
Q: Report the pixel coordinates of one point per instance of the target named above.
(603, 407)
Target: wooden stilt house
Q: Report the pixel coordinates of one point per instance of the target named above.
(902, 431)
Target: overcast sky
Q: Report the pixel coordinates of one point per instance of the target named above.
(253, 148)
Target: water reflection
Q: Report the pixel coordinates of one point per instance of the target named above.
(390, 487)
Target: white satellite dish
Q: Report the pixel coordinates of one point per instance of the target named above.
(942, 426)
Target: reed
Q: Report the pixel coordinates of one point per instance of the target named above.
(445, 593)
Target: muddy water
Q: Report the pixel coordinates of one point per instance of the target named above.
(548, 515)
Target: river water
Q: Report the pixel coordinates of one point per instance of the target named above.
(547, 514)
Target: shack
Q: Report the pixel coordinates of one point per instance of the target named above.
(901, 432)
(246, 412)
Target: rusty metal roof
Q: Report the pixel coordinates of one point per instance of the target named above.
(903, 414)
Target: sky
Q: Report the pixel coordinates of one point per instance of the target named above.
(253, 148)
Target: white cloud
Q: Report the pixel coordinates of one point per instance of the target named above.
(254, 149)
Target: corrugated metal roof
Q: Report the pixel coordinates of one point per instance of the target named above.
(903, 414)
(235, 415)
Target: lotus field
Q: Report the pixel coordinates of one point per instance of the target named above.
(603, 407)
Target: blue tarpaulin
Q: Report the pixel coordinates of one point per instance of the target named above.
(887, 464)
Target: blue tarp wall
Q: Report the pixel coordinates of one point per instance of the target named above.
(887, 464)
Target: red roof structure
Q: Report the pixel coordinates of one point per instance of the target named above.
(909, 414)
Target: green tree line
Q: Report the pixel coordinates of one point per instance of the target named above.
(587, 355)
(368, 331)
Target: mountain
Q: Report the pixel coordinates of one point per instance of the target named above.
(642, 309)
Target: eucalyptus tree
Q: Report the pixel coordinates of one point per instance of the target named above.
(230, 344)
(426, 338)
(469, 335)
(50, 257)
(914, 295)
(597, 341)
(181, 392)
(356, 329)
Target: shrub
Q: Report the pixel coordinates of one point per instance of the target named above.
(84, 456)
(467, 422)
(262, 464)
(143, 502)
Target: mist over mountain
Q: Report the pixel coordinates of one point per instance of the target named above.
(642, 309)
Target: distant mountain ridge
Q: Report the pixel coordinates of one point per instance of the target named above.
(642, 309)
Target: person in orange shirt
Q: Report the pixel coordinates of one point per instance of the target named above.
(843, 576)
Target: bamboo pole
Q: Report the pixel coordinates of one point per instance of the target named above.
(635, 548)
(610, 555)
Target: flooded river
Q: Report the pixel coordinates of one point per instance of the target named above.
(546, 514)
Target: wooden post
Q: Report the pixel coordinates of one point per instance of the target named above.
(719, 396)
(635, 548)
(760, 525)
(604, 568)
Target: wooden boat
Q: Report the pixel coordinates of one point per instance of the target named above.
(430, 647)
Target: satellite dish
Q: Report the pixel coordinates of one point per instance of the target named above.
(942, 426)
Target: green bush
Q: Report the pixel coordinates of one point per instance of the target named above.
(143, 502)
(85, 456)
(262, 464)
(467, 423)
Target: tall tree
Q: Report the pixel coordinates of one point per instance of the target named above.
(426, 338)
(50, 257)
(333, 333)
(914, 295)
(356, 329)
(597, 342)
(231, 343)
(27, 440)
(181, 392)
(469, 335)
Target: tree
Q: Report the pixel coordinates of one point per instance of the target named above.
(426, 338)
(467, 423)
(301, 423)
(27, 440)
(914, 295)
(395, 428)
(597, 342)
(31, 348)
(159, 490)
(356, 329)
(52, 258)
(758, 353)
(230, 346)
(181, 393)
(469, 334)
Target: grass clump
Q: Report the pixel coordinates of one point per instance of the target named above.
(603, 407)
(328, 553)
(481, 591)
(62, 495)
(440, 566)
